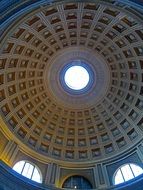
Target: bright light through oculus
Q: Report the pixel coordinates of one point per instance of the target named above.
(76, 77)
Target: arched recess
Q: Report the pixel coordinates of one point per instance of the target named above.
(77, 182)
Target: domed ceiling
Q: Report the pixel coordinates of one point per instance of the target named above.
(99, 123)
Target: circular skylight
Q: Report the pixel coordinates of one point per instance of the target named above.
(76, 77)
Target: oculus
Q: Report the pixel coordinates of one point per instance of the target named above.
(77, 77)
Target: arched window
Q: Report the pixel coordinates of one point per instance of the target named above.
(127, 172)
(28, 170)
(77, 182)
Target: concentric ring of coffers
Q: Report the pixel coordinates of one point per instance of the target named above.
(48, 119)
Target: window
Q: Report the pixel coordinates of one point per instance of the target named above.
(28, 170)
(127, 172)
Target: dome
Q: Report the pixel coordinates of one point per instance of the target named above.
(40, 112)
